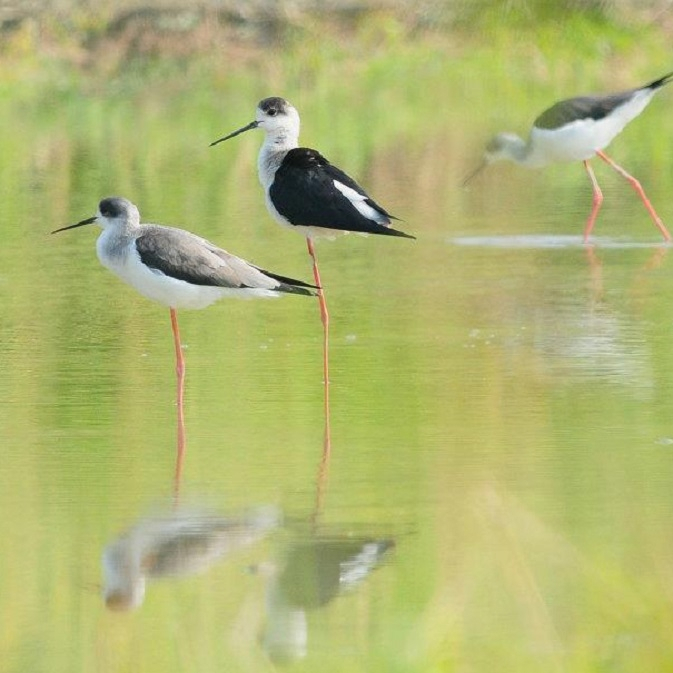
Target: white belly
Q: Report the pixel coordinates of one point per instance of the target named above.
(575, 142)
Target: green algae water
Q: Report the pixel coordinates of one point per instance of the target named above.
(498, 491)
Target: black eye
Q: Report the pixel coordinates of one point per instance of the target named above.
(272, 112)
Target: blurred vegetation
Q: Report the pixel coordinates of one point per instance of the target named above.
(112, 97)
(103, 35)
(49, 49)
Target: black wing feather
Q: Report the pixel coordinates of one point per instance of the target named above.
(290, 284)
(303, 191)
(591, 107)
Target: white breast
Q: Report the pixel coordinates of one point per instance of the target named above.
(158, 287)
(581, 139)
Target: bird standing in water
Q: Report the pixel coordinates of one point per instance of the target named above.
(178, 269)
(306, 192)
(578, 129)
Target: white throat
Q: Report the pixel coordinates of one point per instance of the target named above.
(276, 146)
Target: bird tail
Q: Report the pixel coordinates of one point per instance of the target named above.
(659, 82)
(389, 231)
(292, 286)
(298, 289)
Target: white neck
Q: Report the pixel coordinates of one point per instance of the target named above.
(282, 139)
(273, 152)
(518, 150)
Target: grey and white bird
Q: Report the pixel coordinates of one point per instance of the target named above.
(175, 267)
(578, 129)
(178, 544)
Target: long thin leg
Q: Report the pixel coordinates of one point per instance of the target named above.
(598, 200)
(324, 317)
(641, 192)
(180, 371)
(327, 440)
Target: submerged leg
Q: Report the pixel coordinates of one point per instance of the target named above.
(641, 192)
(180, 371)
(324, 317)
(597, 201)
(327, 439)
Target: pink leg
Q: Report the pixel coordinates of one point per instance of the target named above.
(180, 370)
(324, 317)
(598, 200)
(641, 192)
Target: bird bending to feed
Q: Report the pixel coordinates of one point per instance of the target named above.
(306, 192)
(576, 130)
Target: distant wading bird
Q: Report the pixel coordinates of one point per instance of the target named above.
(575, 130)
(177, 268)
(306, 192)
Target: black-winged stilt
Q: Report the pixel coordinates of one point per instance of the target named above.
(176, 544)
(306, 192)
(178, 269)
(576, 130)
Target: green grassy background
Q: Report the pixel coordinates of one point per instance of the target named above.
(531, 510)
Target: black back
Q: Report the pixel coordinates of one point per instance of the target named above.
(590, 107)
(303, 191)
(582, 107)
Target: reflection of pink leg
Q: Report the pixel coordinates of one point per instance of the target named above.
(180, 370)
(321, 478)
(596, 273)
(598, 200)
(641, 192)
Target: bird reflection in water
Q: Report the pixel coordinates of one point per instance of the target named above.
(174, 545)
(314, 572)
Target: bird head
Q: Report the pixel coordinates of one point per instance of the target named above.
(499, 148)
(113, 211)
(276, 116)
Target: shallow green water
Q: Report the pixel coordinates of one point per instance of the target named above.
(500, 402)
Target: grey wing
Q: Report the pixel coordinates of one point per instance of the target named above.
(184, 256)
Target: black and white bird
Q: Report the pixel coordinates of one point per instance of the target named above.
(175, 267)
(578, 129)
(306, 192)
(303, 190)
(311, 574)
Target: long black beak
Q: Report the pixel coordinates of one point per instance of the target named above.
(474, 173)
(251, 125)
(89, 220)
